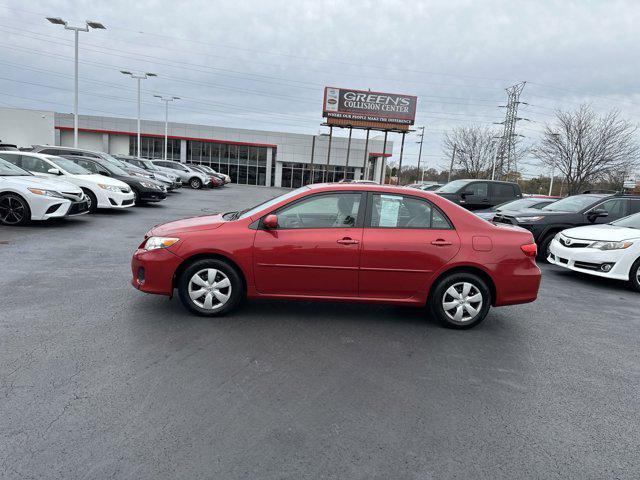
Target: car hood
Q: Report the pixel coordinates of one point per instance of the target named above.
(102, 179)
(602, 233)
(530, 212)
(45, 183)
(194, 224)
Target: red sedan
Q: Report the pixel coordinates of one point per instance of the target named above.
(351, 242)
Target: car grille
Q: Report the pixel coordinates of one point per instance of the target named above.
(73, 196)
(587, 265)
(127, 202)
(77, 208)
(571, 243)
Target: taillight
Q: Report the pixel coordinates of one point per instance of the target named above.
(530, 250)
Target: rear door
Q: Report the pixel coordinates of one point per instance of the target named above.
(315, 250)
(405, 240)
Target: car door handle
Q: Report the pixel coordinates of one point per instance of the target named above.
(347, 241)
(440, 243)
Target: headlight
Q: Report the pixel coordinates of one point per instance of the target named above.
(46, 193)
(610, 245)
(153, 243)
(529, 219)
(150, 185)
(111, 188)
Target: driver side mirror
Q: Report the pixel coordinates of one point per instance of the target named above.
(270, 222)
(54, 171)
(597, 213)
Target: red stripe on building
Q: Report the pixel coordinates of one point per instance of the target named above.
(155, 135)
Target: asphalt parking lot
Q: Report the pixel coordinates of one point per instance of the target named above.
(98, 380)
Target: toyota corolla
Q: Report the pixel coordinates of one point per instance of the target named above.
(343, 242)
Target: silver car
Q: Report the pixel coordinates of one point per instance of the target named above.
(188, 175)
(171, 180)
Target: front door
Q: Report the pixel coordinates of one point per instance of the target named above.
(406, 239)
(479, 198)
(315, 250)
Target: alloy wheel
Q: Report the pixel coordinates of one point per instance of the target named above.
(209, 289)
(11, 211)
(462, 302)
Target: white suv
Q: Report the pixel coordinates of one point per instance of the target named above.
(25, 197)
(101, 191)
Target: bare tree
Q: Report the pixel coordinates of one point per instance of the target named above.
(475, 150)
(586, 148)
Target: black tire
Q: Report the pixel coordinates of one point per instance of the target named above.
(235, 291)
(543, 247)
(440, 294)
(91, 198)
(195, 183)
(136, 197)
(634, 275)
(14, 210)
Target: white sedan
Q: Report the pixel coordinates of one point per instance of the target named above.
(611, 250)
(25, 197)
(101, 191)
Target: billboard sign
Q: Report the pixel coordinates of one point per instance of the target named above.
(367, 106)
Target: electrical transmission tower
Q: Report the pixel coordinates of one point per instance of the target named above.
(506, 160)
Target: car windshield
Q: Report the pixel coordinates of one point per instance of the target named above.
(115, 169)
(8, 169)
(452, 187)
(571, 204)
(69, 166)
(251, 211)
(632, 221)
(516, 204)
(113, 160)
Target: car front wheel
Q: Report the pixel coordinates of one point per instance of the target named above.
(92, 201)
(461, 300)
(14, 210)
(210, 287)
(634, 275)
(195, 183)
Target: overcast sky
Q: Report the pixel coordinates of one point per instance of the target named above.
(263, 64)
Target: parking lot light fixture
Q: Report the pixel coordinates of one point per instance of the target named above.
(166, 101)
(76, 29)
(138, 76)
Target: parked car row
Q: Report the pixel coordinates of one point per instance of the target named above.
(46, 182)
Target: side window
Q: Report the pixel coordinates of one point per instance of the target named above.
(398, 211)
(335, 210)
(634, 206)
(502, 190)
(50, 151)
(615, 207)
(479, 189)
(34, 164)
(15, 159)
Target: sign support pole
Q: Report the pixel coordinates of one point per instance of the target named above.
(313, 149)
(346, 167)
(383, 173)
(365, 167)
(328, 154)
(453, 157)
(400, 165)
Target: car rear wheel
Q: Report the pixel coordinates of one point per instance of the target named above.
(14, 210)
(634, 275)
(92, 201)
(195, 183)
(461, 300)
(210, 288)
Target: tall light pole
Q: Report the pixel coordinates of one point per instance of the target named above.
(420, 152)
(88, 24)
(556, 137)
(166, 101)
(138, 76)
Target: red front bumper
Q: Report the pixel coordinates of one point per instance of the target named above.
(153, 270)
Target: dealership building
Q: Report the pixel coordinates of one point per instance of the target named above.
(253, 157)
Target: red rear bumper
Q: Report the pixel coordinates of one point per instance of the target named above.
(516, 282)
(153, 270)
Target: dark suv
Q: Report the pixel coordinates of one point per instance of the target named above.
(479, 194)
(570, 212)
